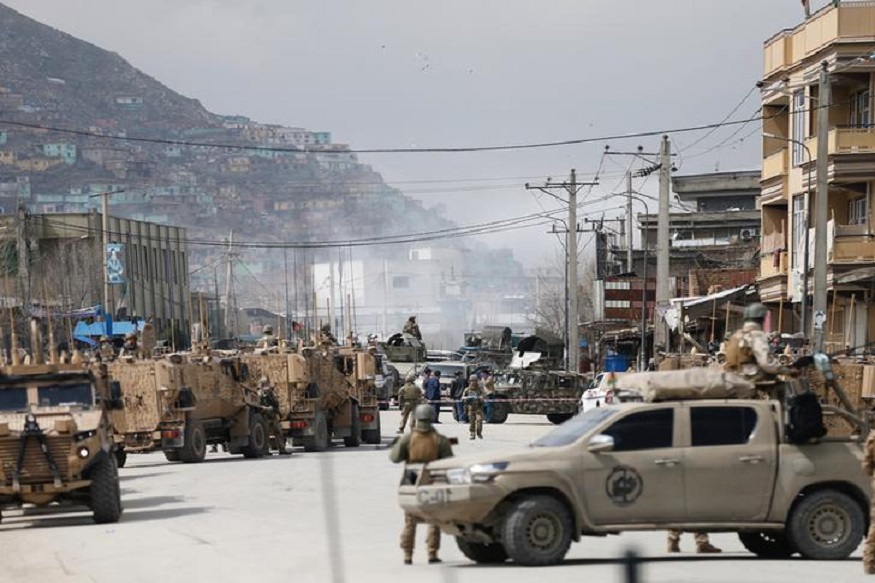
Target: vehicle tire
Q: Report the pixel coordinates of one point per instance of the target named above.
(373, 436)
(498, 413)
(319, 440)
(487, 554)
(194, 449)
(767, 544)
(121, 456)
(558, 418)
(826, 525)
(105, 494)
(259, 442)
(537, 531)
(172, 455)
(355, 427)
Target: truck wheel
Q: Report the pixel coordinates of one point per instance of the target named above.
(487, 554)
(558, 418)
(121, 456)
(498, 413)
(355, 427)
(172, 455)
(259, 442)
(194, 449)
(373, 436)
(537, 531)
(106, 503)
(767, 544)
(319, 440)
(826, 525)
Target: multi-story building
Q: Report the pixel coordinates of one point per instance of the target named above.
(841, 38)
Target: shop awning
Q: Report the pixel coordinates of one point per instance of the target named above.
(702, 306)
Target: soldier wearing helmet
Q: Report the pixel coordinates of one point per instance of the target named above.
(107, 351)
(267, 340)
(130, 346)
(412, 328)
(408, 398)
(747, 351)
(420, 446)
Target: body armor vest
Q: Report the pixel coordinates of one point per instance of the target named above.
(423, 447)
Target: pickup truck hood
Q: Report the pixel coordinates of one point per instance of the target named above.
(519, 458)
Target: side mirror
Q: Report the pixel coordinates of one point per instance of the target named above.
(600, 443)
(116, 400)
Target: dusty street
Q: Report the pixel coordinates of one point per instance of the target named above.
(322, 517)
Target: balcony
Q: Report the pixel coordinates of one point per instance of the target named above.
(775, 165)
(850, 244)
(774, 259)
(852, 141)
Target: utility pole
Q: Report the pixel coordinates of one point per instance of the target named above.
(104, 211)
(821, 209)
(629, 222)
(230, 309)
(663, 293)
(287, 334)
(572, 187)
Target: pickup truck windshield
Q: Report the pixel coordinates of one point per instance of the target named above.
(13, 399)
(60, 395)
(575, 428)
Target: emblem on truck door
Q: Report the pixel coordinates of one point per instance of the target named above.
(624, 485)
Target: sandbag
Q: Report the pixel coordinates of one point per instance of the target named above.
(692, 383)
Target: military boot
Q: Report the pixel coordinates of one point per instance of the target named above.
(408, 559)
(432, 559)
(869, 569)
(707, 549)
(674, 546)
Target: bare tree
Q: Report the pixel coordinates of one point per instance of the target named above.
(549, 312)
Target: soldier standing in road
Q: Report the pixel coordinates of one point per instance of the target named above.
(409, 397)
(869, 543)
(473, 399)
(422, 445)
(412, 328)
(703, 543)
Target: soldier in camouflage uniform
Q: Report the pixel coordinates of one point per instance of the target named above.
(869, 468)
(472, 396)
(748, 353)
(107, 351)
(703, 544)
(420, 446)
(408, 398)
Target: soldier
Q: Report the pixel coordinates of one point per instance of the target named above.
(488, 389)
(327, 336)
(869, 468)
(703, 544)
(422, 445)
(412, 328)
(107, 352)
(130, 345)
(268, 399)
(748, 353)
(473, 399)
(267, 340)
(409, 397)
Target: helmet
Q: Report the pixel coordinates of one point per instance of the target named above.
(755, 311)
(267, 330)
(131, 336)
(411, 319)
(326, 328)
(104, 338)
(411, 376)
(424, 412)
(472, 378)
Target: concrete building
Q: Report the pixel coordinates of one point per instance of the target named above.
(843, 37)
(58, 258)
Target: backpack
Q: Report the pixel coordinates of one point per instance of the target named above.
(805, 418)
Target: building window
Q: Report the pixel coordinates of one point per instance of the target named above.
(400, 282)
(798, 127)
(858, 211)
(799, 230)
(861, 109)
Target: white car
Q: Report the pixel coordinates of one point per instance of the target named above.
(603, 391)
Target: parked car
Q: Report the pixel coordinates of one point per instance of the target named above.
(603, 391)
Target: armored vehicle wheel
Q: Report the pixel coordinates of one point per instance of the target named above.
(259, 442)
(319, 440)
(195, 440)
(121, 456)
(488, 554)
(767, 544)
(558, 418)
(498, 413)
(355, 427)
(826, 525)
(537, 531)
(105, 495)
(172, 455)
(373, 436)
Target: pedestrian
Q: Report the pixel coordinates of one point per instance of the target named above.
(703, 543)
(457, 387)
(409, 397)
(422, 445)
(473, 398)
(433, 393)
(488, 386)
(869, 468)
(412, 328)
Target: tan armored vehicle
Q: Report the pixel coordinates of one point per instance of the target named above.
(56, 443)
(720, 464)
(325, 392)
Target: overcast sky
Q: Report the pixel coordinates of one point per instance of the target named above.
(406, 73)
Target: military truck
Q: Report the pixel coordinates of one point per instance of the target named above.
(406, 353)
(56, 442)
(327, 392)
(713, 459)
(532, 385)
(135, 425)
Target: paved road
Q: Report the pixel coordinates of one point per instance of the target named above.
(231, 519)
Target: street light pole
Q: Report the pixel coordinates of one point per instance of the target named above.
(821, 209)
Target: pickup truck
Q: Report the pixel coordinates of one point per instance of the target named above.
(709, 465)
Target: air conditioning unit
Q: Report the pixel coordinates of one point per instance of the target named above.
(748, 233)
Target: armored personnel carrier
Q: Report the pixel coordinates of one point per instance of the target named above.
(324, 392)
(405, 352)
(56, 442)
(532, 385)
